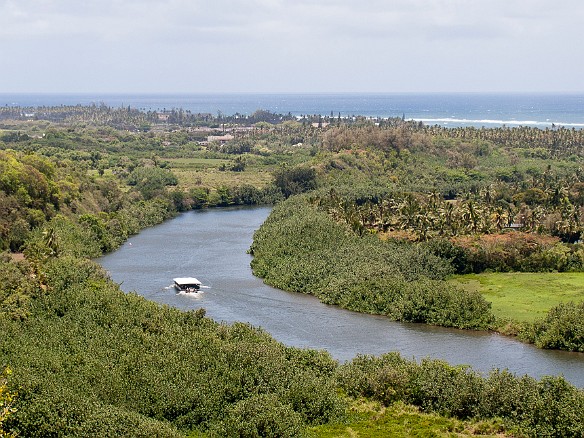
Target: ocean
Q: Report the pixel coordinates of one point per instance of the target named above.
(446, 109)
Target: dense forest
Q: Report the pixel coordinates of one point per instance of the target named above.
(371, 215)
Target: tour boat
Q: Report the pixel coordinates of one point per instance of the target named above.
(187, 284)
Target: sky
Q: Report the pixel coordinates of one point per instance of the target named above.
(193, 46)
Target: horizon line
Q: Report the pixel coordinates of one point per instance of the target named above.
(154, 93)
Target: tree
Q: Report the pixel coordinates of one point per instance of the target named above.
(295, 180)
(150, 181)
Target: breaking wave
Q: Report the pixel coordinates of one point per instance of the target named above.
(482, 122)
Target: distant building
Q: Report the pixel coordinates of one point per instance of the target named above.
(220, 138)
(514, 226)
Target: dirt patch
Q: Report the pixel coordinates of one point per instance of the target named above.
(17, 256)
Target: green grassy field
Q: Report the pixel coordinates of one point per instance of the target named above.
(214, 178)
(524, 296)
(368, 420)
(204, 172)
(195, 163)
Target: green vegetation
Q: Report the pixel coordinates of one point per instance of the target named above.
(371, 419)
(562, 328)
(91, 360)
(196, 163)
(549, 407)
(478, 204)
(303, 250)
(523, 296)
(6, 401)
(378, 216)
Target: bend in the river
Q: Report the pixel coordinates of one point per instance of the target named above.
(212, 246)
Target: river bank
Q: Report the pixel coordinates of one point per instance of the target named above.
(212, 245)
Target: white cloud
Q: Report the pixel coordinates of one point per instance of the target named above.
(275, 43)
(374, 18)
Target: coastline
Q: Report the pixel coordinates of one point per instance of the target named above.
(543, 110)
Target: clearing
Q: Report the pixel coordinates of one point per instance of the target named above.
(525, 296)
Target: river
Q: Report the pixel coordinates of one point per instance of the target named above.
(212, 246)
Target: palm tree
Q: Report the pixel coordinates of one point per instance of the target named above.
(408, 211)
(499, 218)
(471, 216)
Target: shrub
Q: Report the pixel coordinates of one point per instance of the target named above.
(151, 181)
(64, 413)
(562, 328)
(549, 407)
(260, 416)
(313, 398)
(385, 378)
(6, 402)
(513, 251)
(16, 288)
(455, 254)
(439, 387)
(295, 180)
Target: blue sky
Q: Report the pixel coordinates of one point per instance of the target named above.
(291, 46)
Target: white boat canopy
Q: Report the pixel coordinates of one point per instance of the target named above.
(185, 281)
